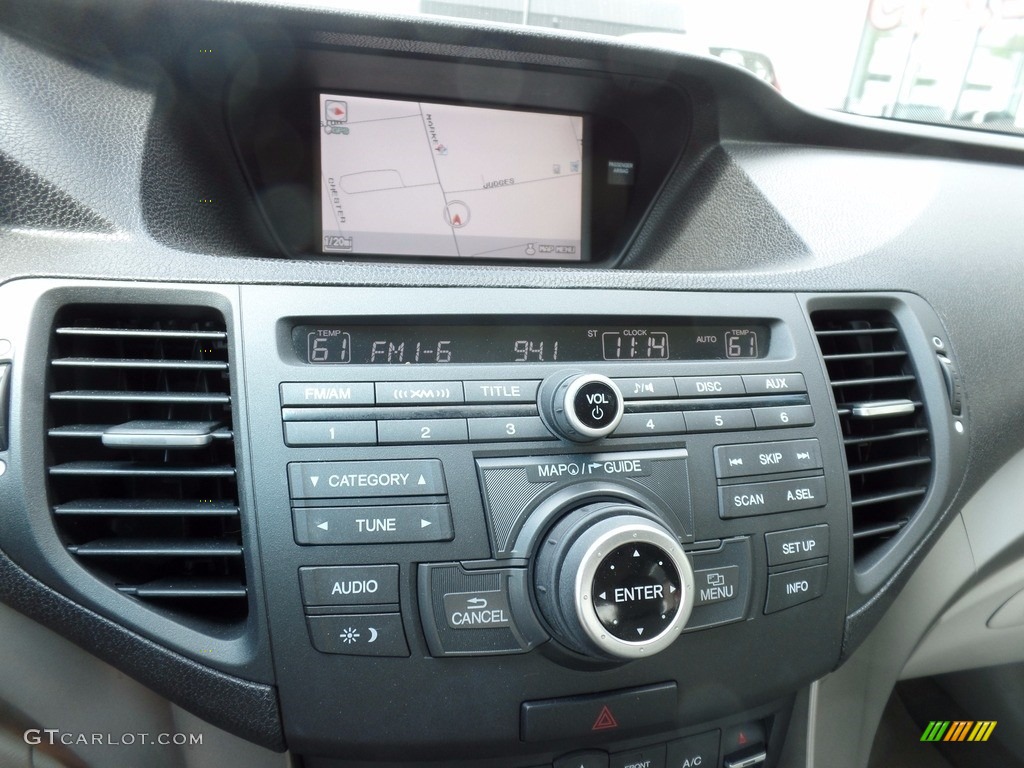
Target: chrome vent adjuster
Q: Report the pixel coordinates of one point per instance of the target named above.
(141, 460)
(885, 429)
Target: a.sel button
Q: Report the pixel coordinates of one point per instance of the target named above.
(349, 584)
(364, 479)
(767, 498)
(794, 546)
(794, 587)
(372, 525)
(767, 458)
(375, 634)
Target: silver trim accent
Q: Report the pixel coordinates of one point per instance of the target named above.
(570, 413)
(638, 533)
(882, 408)
(748, 762)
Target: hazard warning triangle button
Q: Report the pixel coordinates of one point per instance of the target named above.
(595, 718)
(605, 720)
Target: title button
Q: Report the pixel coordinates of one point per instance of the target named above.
(501, 391)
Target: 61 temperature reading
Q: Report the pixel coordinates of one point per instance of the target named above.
(328, 346)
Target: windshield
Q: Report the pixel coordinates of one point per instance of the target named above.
(954, 62)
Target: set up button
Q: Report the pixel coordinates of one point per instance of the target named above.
(800, 544)
(751, 499)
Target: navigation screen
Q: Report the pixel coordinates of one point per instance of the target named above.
(414, 179)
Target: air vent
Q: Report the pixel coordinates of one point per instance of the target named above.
(141, 455)
(885, 432)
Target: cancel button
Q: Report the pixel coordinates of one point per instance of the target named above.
(477, 610)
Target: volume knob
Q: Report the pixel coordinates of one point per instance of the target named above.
(581, 406)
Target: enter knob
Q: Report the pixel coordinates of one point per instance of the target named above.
(581, 406)
(612, 581)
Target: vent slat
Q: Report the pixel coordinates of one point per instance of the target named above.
(872, 381)
(888, 466)
(155, 548)
(874, 531)
(146, 508)
(133, 469)
(175, 589)
(887, 496)
(142, 333)
(885, 431)
(114, 362)
(841, 332)
(97, 430)
(163, 398)
(848, 356)
(900, 434)
(141, 476)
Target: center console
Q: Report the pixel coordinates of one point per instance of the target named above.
(476, 513)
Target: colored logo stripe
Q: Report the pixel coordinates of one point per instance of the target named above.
(935, 730)
(958, 730)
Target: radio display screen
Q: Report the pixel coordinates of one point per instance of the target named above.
(405, 178)
(640, 341)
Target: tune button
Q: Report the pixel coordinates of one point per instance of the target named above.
(636, 591)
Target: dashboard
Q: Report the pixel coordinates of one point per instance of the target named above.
(378, 392)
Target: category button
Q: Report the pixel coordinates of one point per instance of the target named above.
(794, 546)
(716, 585)
(774, 383)
(768, 498)
(646, 389)
(709, 386)
(794, 587)
(349, 585)
(416, 392)
(366, 479)
(767, 458)
(372, 525)
(327, 393)
(477, 610)
(510, 391)
(378, 634)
